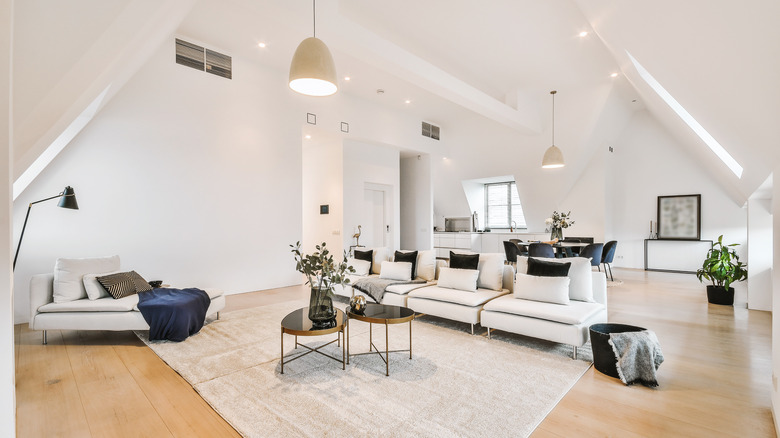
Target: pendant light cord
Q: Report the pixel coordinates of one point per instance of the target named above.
(553, 117)
(314, 15)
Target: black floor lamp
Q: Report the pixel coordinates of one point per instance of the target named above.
(68, 200)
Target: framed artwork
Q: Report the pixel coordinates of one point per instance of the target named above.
(679, 217)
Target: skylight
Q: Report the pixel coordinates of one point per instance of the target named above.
(708, 139)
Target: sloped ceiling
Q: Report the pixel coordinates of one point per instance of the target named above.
(718, 60)
(498, 59)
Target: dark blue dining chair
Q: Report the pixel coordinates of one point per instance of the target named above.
(607, 256)
(594, 251)
(541, 250)
(510, 248)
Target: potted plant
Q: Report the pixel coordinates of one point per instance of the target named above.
(722, 267)
(322, 273)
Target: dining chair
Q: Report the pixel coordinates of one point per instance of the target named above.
(510, 248)
(573, 251)
(607, 256)
(522, 249)
(594, 251)
(541, 250)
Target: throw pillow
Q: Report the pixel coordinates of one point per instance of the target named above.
(94, 289)
(464, 261)
(491, 271)
(426, 265)
(141, 285)
(367, 256)
(380, 255)
(69, 276)
(553, 290)
(543, 268)
(580, 273)
(460, 279)
(396, 271)
(119, 285)
(362, 267)
(410, 257)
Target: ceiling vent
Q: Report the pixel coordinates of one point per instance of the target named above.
(200, 58)
(431, 131)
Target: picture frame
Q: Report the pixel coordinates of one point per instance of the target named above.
(679, 217)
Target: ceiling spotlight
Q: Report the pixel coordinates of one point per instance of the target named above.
(583, 34)
(380, 91)
(613, 75)
(346, 78)
(261, 45)
(408, 101)
(308, 137)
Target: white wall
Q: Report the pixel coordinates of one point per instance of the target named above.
(776, 302)
(647, 163)
(416, 203)
(370, 165)
(322, 185)
(759, 251)
(190, 178)
(7, 372)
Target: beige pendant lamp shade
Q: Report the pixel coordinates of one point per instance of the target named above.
(553, 157)
(312, 71)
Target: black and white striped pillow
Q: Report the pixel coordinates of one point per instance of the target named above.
(141, 285)
(118, 285)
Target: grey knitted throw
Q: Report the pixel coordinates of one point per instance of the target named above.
(375, 287)
(638, 356)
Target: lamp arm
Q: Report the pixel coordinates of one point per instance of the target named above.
(56, 196)
(19, 246)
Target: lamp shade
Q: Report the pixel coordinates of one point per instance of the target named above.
(553, 158)
(312, 71)
(68, 199)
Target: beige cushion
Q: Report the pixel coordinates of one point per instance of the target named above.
(403, 289)
(553, 290)
(380, 255)
(361, 266)
(471, 299)
(426, 265)
(94, 289)
(491, 271)
(109, 304)
(69, 275)
(396, 271)
(460, 279)
(575, 313)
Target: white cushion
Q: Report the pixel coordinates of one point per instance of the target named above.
(380, 255)
(69, 275)
(124, 304)
(460, 279)
(581, 286)
(95, 290)
(361, 266)
(576, 312)
(426, 265)
(491, 271)
(470, 299)
(396, 270)
(547, 289)
(403, 289)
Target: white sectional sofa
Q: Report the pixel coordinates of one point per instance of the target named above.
(563, 323)
(83, 313)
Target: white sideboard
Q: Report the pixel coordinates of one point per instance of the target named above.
(444, 242)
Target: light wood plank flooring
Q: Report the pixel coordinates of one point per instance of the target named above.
(715, 380)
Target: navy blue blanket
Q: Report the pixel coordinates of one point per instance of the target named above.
(173, 314)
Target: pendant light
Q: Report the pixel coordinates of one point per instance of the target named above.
(312, 71)
(553, 157)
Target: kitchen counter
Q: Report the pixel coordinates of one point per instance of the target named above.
(479, 241)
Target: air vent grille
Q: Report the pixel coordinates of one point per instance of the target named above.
(431, 131)
(200, 58)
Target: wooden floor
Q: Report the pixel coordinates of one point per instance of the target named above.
(715, 380)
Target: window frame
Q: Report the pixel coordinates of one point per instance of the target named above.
(509, 204)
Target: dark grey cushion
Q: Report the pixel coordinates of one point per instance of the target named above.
(367, 256)
(542, 268)
(409, 257)
(464, 261)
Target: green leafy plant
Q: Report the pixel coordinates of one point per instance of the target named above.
(319, 268)
(559, 220)
(722, 266)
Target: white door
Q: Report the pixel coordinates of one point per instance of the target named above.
(374, 231)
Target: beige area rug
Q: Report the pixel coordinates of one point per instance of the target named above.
(455, 385)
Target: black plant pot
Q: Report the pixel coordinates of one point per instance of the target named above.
(720, 295)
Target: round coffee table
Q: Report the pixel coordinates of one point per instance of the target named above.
(298, 323)
(382, 314)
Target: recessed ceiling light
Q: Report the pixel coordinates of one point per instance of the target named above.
(346, 78)
(583, 34)
(613, 75)
(408, 101)
(308, 137)
(261, 45)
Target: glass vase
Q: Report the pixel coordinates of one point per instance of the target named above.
(556, 233)
(321, 311)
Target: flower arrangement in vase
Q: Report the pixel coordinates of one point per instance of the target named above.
(557, 222)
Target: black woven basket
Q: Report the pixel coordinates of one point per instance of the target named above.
(603, 355)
